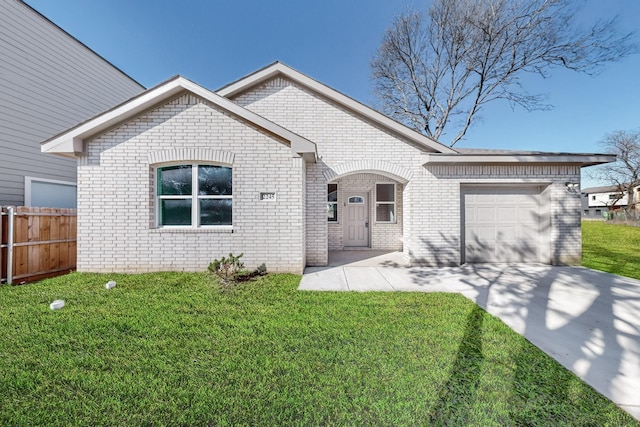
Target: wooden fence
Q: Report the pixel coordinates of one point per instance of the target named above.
(36, 243)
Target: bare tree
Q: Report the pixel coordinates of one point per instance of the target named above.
(441, 67)
(625, 172)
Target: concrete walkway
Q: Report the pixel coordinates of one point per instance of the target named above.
(587, 320)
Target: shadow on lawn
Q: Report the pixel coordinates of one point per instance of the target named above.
(458, 394)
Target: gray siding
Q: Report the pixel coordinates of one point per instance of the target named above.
(49, 81)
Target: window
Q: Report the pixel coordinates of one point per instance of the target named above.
(356, 200)
(332, 202)
(386, 203)
(49, 193)
(194, 195)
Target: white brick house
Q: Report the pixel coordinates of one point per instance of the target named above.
(286, 169)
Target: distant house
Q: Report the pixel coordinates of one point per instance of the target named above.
(598, 201)
(285, 169)
(48, 82)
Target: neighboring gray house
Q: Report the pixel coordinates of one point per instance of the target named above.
(598, 201)
(286, 169)
(48, 82)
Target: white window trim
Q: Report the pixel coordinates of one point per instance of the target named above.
(194, 197)
(29, 180)
(395, 207)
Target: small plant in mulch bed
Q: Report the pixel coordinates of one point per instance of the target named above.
(231, 270)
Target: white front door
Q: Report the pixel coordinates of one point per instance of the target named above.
(356, 221)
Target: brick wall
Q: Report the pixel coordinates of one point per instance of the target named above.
(116, 211)
(116, 179)
(341, 137)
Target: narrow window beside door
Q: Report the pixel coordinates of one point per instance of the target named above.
(386, 203)
(332, 202)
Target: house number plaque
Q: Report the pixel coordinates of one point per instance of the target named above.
(267, 197)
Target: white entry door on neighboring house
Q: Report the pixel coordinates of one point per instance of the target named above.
(356, 220)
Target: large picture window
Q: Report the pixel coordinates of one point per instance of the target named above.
(332, 202)
(194, 195)
(386, 203)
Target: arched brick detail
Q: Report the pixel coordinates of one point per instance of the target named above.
(380, 167)
(191, 155)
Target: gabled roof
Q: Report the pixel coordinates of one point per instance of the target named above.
(71, 142)
(280, 69)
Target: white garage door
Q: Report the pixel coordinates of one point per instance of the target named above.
(506, 224)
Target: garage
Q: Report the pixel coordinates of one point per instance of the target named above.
(506, 223)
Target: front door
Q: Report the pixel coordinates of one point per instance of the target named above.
(356, 224)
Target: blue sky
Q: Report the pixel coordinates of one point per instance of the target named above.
(216, 42)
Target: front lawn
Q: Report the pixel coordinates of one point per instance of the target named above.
(175, 349)
(614, 248)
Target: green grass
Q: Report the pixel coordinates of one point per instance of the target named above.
(175, 349)
(614, 248)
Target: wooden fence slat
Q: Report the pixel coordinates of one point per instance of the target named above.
(22, 229)
(54, 259)
(64, 227)
(55, 227)
(73, 250)
(20, 261)
(64, 255)
(45, 226)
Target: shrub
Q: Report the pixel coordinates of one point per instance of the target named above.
(227, 268)
(231, 269)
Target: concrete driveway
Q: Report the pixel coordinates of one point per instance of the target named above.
(587, 320)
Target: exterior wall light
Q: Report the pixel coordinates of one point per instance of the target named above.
(572, 186)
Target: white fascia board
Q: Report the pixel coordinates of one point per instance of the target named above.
(250, 80)
(334, 95)
(71, 143)
(583, 159)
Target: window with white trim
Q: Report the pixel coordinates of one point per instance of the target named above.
(386, 203)
(194, 195)
(332, 202)
(49, 193)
